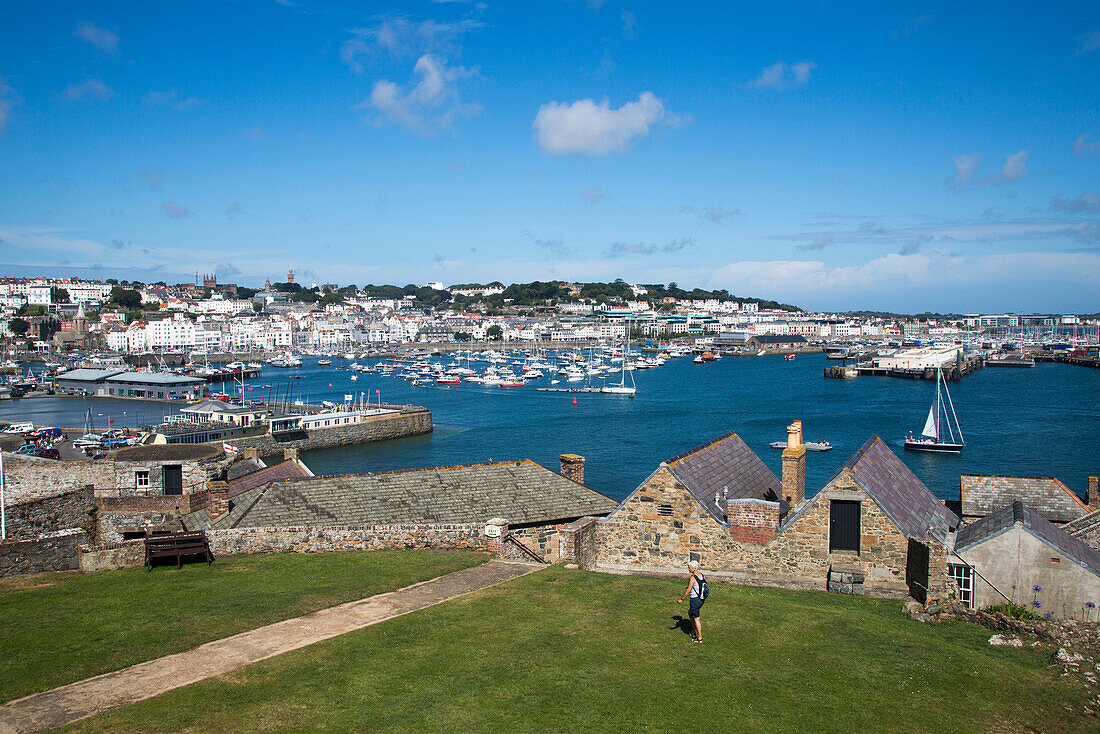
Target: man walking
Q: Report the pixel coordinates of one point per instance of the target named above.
(698, 592)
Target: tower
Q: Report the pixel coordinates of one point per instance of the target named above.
(290, 276)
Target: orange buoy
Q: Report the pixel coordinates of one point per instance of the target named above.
(574, 401)
(330, 384)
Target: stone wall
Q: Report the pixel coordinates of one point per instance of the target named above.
(542, 540)
(345, 538)
(52, 552)
(752, 521)
(111, 556)
(28, 478)
(661, 527)
(111, 526)
(578, 542)
(408, 422)
(73, 509)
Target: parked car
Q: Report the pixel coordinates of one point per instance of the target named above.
(26, 450)
(47, 453)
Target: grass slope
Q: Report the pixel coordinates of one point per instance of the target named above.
(59, 628)
(568, 651)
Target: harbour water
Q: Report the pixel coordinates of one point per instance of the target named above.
(1035, 422)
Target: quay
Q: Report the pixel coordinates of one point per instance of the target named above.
(1092, 362)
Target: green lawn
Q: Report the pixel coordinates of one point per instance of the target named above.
(570, 651)
(58, 628)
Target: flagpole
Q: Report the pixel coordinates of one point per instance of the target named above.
(3, 516)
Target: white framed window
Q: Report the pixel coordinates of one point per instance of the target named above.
(141, 479)
(963, 576)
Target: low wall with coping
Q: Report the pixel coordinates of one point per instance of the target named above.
(111, 556)
(51, 552)
(345, 538)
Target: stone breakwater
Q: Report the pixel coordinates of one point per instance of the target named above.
(406, 421)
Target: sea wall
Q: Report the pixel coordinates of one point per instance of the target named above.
(51, 552)
(409, 421)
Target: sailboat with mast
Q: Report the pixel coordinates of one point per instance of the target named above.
(942, 432)
(622, 388)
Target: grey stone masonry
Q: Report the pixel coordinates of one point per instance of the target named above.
(51, 552)
(846, 580)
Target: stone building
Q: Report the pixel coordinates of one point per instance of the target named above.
(873, 528)
(1015, 554)
(982, 495)
(527, 503)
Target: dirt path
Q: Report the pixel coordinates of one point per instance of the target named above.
(65, 704)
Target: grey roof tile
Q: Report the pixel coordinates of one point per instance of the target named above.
(520, 491)
(1033, 522)
(725, 464)
(898, 491)
(982, 495)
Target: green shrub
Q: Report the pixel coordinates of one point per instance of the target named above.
(1013, 610)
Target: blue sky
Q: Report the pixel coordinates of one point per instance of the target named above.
(836, 156)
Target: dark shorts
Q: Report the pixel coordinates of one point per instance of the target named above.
(696, 605)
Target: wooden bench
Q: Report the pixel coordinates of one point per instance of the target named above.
(177, 545)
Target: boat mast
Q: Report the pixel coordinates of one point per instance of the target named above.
(957, 425)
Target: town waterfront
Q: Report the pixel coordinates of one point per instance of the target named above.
(1034, 422)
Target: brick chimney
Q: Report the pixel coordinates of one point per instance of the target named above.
(1093, 495)
(794, 466)
(289, 454)
(572, 467)
(219, 499)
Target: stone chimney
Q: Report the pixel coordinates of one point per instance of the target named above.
(572, 467)
(794, 466)
(290, 454)
(219, 499)
(250, 453)
(1093, 495)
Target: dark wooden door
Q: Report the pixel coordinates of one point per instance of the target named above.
(173, 479)
(916, 570)
(844, 525)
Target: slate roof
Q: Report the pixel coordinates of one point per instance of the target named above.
(282, 471)
(899, 493)
(86, 374)
(242, 467)
(1034, 523)
(725, 463)
(169, 452)
(1055, 501)
(520, 491)
(777, 339)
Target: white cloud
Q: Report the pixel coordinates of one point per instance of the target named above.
(593, 194)
(175, 211)
(716, 214)
(630, 23)
(5, 105)
(1085, 145)
(152, 174)
(1089, 42)
(619, 249)
(402, 38)
(171, 99)
(254, 133)
(430, 105)
(87, 89)
(102, 39)
(911, 239)
(587, 126)
(1015, 167)
(965, 168)
(918, 282)
(1087, 202)
(782, 75)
